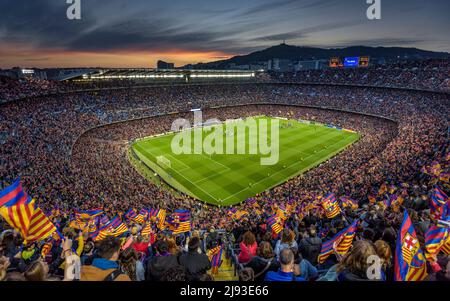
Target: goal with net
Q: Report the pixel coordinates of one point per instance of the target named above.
(163, 162)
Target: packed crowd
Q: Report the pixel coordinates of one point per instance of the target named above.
(68, 160)
(429, 75)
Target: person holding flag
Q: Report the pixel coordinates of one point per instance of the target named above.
(410, 263)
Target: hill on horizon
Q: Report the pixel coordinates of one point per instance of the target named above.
(301, 53)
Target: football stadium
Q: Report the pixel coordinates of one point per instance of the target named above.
(260, 162)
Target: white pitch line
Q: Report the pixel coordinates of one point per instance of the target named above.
(278, 172)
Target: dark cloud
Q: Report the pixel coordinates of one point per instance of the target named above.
(233, 27)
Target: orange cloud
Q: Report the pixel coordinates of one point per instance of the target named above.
(26, 56)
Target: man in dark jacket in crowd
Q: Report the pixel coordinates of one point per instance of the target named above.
(310, 246)
(196, 264)
(161, 262)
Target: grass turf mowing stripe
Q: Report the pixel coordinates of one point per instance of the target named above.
(229, 179)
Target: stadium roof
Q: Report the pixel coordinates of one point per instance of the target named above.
(166, 73)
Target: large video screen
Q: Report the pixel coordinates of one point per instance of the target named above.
(351, 61)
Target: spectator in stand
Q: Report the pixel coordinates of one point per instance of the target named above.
(354, 266)
(37, 271)
(248, 247)
(385, 254)
(196, 264)
(311, 245)
(161, 262)
(287, 241)
(246, 274)
(286, 271)
(106, 266)
(263, 262)
(131, 265)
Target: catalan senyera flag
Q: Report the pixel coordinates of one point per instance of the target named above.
(331, 206)
(140, 219)
(146, 230)
(274, 223)
(181, 221)
(410, 262)
(17, 207)
(343, 240)
(215, 256)
(40, 227)
(161, 219)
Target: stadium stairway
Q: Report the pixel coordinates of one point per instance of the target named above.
(226, 270)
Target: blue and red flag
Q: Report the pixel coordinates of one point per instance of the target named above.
(331, 206)
(14, 194)
(410, 263)
(180, 221)
(343, 241)
(274, 223)
(215, 256)
(88, 214)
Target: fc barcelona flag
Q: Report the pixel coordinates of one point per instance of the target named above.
(331, 206)
(410, 263)
(215, 256)
(435, 239)
(438, 200)
(343, 240)
(181, 221)
(14, 194)
(274, 223)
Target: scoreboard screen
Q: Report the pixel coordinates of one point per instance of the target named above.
(335, 62)
(351, 61)
(364, 61)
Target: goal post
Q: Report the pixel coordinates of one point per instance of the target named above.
(163, 162)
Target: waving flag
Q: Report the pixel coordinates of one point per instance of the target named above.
(131, 214)
(40, 227)
(438, 200)
(240, 214)
(146, 230)
(331, 206)
(434, 240)
(410, 264)
(180, 221)
(14, 194)
(114, 228)
(215, 256)
(144, 213)
(347, 202)
(89, 214)
(343, 241)
(18, 211)
(274, 223)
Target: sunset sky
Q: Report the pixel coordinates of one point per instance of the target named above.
(136, 33)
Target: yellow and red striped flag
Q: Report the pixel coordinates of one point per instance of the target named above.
(40, 227)
(18, 215)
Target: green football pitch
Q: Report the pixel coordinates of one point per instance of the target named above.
(230, 178)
